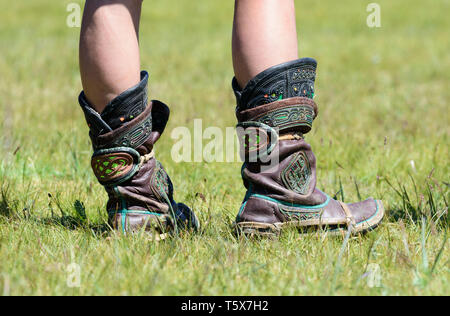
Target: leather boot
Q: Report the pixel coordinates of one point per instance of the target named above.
(274, 111)
(140, 191)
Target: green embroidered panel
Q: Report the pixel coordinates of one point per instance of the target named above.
(111, 167)
(160, 181)
(288, 117)
(301, 215)
(297, 174)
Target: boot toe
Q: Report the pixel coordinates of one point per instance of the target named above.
(367, 214)
(186, 218)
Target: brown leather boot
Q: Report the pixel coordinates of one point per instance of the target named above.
(274, 111)
(139, 189)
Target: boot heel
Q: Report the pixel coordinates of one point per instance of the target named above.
(256, 230)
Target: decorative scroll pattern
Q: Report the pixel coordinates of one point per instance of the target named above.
(288, 117)
(111, 167)
(132, 138)
(297, 174)
(160, 182)
(301, 215)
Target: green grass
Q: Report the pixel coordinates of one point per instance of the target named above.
(383, 97)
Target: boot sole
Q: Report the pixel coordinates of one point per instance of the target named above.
(257, 229)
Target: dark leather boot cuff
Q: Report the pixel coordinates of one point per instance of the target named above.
(122, 109)
(292, 79)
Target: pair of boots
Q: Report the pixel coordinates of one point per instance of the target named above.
(274, 111)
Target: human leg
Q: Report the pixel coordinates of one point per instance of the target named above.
(109, 49)
(264, 35)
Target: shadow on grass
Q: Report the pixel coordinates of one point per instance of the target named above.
(74, 223)
(78, 222)
(7, 207)
(9, 210)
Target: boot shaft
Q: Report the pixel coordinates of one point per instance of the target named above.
(275, 110)
(123, 136)
(288, 80)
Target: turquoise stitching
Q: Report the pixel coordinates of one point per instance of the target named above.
(124, 211)
(242, 208)
(248, 195)
(135, 212)
(313, 207)
(376, 212)
(123, 216)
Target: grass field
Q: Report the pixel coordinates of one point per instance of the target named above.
(383, 131)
